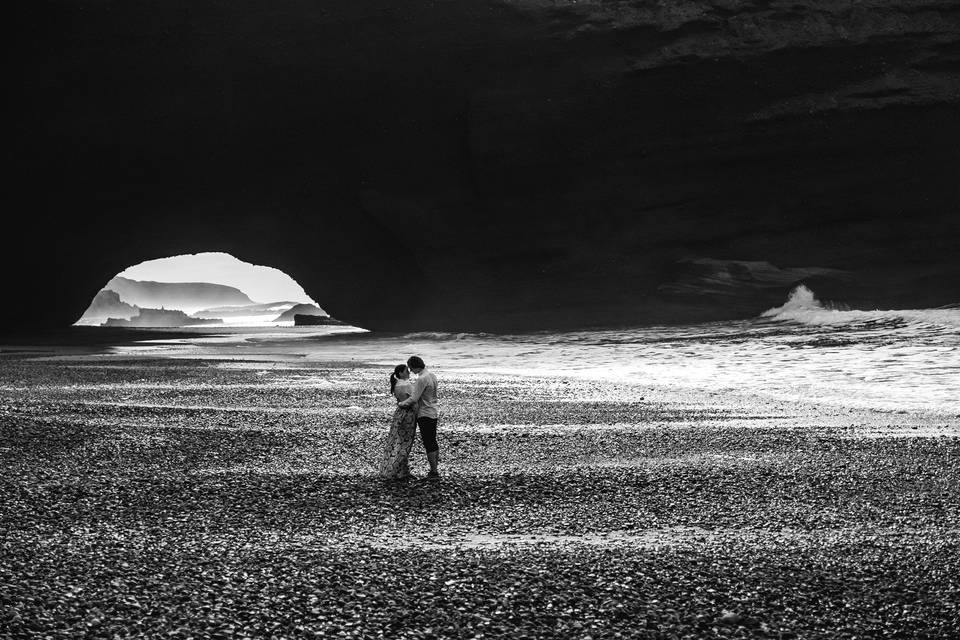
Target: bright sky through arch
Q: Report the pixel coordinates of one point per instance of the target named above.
(261, 284)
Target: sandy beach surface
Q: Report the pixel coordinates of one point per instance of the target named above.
(157, 497)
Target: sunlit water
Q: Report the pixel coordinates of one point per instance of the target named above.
(895, 360)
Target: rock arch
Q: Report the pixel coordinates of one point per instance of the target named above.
(491, 165)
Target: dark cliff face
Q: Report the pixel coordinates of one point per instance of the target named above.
(107, 304)
(300, 309)
(495, 165)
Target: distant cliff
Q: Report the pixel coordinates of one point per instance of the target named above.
(235, 311)
(185, 296)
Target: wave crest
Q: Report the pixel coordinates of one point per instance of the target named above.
(801, 299)
(803, 307)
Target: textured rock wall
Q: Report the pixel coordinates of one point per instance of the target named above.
(493, 165)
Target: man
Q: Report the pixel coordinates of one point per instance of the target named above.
(425, 392)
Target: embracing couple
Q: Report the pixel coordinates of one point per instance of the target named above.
(416, 407)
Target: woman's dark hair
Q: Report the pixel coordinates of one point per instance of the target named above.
(397, 370)
(415, 362)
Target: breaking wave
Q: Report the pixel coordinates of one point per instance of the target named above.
(801, 299)
(803, 307)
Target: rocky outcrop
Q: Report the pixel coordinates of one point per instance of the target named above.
(159, 318)
(107, 304)
(301, 309)
(306, 320)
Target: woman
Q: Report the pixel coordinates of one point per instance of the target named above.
(403, 428)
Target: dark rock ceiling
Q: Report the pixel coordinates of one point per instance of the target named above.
(492, 165)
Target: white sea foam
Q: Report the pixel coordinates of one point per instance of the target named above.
(902, 360)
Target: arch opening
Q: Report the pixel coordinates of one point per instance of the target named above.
(212, 289)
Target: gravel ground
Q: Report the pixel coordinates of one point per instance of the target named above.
(178, 498)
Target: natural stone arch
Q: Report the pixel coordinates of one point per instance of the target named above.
(482, 165)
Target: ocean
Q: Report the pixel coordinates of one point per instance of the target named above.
(893, 360)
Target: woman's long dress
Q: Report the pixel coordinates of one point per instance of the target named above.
(403, 428)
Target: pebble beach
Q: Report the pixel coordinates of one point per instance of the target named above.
(156, 497)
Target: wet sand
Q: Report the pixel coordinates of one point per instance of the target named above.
(182, 498)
